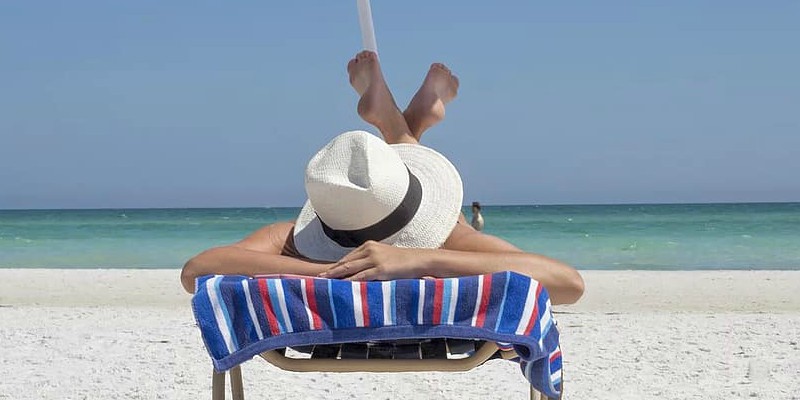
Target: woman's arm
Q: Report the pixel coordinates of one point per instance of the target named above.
(267, 251)
(563, 283)
(466, 252)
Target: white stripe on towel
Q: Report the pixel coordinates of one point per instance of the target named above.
(477, 301)
(358, 310)
(219, 314)
(453, 300)
(282, 304)
(386, 289)
(252, 309)
(305, 303)
(530, 302)
(421, 308)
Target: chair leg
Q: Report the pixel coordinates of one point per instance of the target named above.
(218, 386)
(536, 395)
(237, 389)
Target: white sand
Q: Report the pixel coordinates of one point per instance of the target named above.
(130, 334)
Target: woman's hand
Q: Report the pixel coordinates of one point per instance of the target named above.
(378, 261)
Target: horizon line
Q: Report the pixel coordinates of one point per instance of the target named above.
(467, 205)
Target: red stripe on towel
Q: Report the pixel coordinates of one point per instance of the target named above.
(437, 301)
(312, 304)
(487, 290)
(535, 314)
(364, 303)
(272, 321)
(555, 355)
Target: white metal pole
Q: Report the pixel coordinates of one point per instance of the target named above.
(367, 29)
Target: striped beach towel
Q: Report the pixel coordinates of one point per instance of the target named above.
(241, 317)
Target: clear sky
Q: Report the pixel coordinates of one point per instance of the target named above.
(154, 103)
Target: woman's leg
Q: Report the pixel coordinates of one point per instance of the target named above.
(427, 106)
(377, 105)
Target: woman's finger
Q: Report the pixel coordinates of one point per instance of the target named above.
(348, 268)
(368, 274)
(355, 254)
(337, 267)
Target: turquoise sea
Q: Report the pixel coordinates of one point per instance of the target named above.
(669, 236)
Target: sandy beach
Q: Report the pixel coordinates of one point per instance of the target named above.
(130, 334)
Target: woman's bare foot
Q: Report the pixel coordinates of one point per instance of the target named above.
(376, 105)
(427, 107)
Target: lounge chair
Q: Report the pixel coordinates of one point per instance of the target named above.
(326, 326)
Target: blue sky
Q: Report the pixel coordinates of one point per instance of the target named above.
(206, 104)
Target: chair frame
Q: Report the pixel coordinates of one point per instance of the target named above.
(484, 353)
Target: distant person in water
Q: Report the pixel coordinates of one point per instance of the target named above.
(411, 227)
(477, 218)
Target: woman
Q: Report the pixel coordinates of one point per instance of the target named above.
(399, 237)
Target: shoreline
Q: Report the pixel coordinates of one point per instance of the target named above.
(773, 291)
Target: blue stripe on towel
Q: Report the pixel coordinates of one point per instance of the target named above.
(224, 300)
(243, 329)
(555, 365)
(407, 298)
(212, 336)
(502, 304)
(375, 301)
(342, 296)
(333, 306)
(447, 290)
(322, 298)
(427, 312)
(514, 303)
(297, 309)
(495, 299)
(258, 305)
(272, 284)
(467, 294)
(537, 331)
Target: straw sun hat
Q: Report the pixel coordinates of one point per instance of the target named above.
(360, 188)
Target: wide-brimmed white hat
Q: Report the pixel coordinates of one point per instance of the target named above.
(360, 188)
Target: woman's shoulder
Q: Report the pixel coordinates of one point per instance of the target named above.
(465, 238)
(271, 238)
(461, 231)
